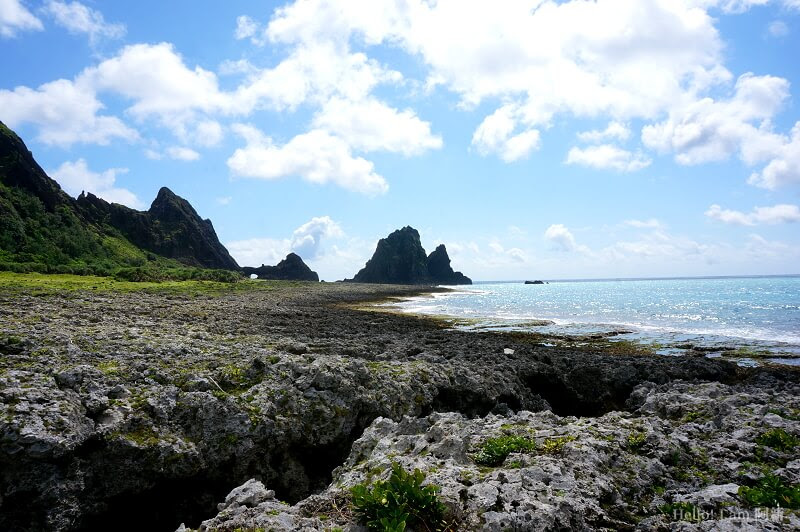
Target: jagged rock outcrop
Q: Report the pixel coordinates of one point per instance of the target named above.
(111, 402)
(292, 268)
(440, 270)
(400, 259)
(40, 225)
(170, 228)
(620, 471)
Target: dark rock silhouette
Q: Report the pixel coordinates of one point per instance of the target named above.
(534, 282)
(42, 225)
(170, 228)
(440, 270)
(400, 259)
(292, 268)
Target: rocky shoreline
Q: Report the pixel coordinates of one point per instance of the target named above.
(132, 408)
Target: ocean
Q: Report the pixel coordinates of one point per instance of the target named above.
(751, 318)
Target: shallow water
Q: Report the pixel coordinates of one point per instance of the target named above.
(758, 317)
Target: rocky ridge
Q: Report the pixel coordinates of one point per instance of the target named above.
(40, 225)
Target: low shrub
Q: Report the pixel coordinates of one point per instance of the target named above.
(771, 492)
(399, 502)
(495, 450)
(778, 439)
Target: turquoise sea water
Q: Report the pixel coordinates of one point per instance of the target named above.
(753, 315)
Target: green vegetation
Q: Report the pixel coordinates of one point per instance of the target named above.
(680, 511)
(778, 439)
(770, 491)
(635, 441)
(59, 283)
(399, 502)
(556, 445)
(159, 275)
(495, 450)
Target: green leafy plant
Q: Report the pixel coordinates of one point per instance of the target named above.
(770, 491)
(399, 502)
(495, 450)
(680, 511)
(556, 445)
(778, 439)
(635, 441)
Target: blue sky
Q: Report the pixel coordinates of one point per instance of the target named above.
(536, 139)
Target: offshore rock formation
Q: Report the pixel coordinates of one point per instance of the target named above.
(171, 228)
(400, 259)
(440, 270)
(292, 268)
(41, 225)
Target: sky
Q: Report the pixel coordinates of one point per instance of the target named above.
(536, 139)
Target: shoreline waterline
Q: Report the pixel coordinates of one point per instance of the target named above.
(752, 319)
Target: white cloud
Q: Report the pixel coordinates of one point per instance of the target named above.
(784, 168)
(330, 260)
(371, 125)
(607, 156)
(778, 29)
(307, 239)
(561, 237)
(496, 134)
(651, 223)
(614, 131)
(712, 130)
(15, 17)
(182, 153)
(246, 27)
(316, 156)
(77, 18)
(76, 177)
(66, 113)
(224, 200)
(777, 214)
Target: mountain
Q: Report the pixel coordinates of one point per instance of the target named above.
(44, 229)
(400, 259)
(170, 228)
(292, 268)
(440, 270)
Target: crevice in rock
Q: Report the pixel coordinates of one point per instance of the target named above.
(565, 400)
(164, 507)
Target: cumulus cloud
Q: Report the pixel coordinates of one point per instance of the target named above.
(651, 223)
(712, 130)
(614, 131)
(778, 29)
(561, 237)
(371, 125)
(76, 177)
(784, 167)
(78, 18)
(497, 135)
(65, 112)
(15, 17)
(246, 28)
(316, 156)
(315, 242)
(777, 214)
(608, 157)
(307, 238)
(182, 153)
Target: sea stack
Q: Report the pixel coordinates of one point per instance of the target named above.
(400, 259)
(292, 268)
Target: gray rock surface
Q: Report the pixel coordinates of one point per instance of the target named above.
(115, 401)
